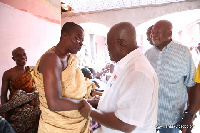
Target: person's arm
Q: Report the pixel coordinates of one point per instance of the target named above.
(189, 93)
(4, 88)
(51, 69)
(194, 104)
(107, 119)
(187, 121)
(4, 91)
(193, 108)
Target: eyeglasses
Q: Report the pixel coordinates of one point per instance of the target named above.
(79, 40)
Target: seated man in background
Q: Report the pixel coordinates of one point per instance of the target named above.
(17, 78)
(98, 82)
(92, 84)
(99, 74)
(107, 75)
(87, 73)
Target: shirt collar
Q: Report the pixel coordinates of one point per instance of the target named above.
(166, 47)
(128, 58)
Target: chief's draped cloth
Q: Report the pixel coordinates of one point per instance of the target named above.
(73, 86)
(23, 82)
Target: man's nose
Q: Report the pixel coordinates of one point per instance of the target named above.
(24, 57)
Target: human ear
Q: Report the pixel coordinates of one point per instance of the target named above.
(65, 35)
(170, 33)
(121, 42)
(13, 58)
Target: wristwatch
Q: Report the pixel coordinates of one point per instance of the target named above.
(186, 113)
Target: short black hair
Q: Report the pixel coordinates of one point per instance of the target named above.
(68, 27)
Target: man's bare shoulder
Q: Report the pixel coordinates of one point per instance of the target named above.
(8, 73)
(49, 54)
(49, 60)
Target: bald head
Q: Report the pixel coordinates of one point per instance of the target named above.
(19, 56)
(125, 31)
(162, 33)
(17, 49)
(122, 39)
(167, 25)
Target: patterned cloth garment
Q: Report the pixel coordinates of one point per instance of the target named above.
(175, 69)
(23, 82)
(74, 86)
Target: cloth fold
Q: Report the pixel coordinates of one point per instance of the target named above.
(73, 86)
(23, 82)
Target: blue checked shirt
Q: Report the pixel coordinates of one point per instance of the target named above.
(175, 70)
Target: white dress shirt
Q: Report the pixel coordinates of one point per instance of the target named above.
(132, 94)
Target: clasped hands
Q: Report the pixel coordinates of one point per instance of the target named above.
(87, 107)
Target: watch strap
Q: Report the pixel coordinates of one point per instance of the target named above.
(186, 113)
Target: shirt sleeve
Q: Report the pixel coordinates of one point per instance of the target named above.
(135, 99)
(189, 80)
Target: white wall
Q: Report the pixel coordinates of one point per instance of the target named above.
(24, 29)
(135, 15)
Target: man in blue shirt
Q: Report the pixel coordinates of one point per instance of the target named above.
(175, 69)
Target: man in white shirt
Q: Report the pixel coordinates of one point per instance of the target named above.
(129, 103)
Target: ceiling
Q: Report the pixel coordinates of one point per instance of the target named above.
(180, 20)
(95, 5)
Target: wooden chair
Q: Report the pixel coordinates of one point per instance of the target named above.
(24, 111)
